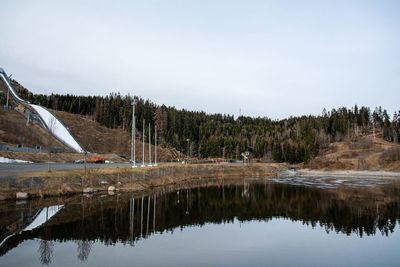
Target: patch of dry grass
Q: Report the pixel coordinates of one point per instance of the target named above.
(128, 179)
(362, 153)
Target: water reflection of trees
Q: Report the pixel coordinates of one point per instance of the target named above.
(83, 249)
(46, 245)
(84, 246)
(45, 251)
(128, 218)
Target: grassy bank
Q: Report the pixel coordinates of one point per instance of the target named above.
(126, 179)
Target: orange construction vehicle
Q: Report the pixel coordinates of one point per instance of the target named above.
(96, 160)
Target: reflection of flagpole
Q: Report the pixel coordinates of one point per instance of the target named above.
(148, 214)
(154, 213)
(132, 216)
(141, 219)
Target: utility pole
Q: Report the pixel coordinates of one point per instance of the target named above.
(143, 145)
(155, 146)
(149, 144)
(133, 142)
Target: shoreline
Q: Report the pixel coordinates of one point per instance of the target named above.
(71, 182)
(58, 183)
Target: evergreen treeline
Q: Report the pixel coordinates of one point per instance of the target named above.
(293, 140)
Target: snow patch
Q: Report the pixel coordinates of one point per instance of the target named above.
(7, 160)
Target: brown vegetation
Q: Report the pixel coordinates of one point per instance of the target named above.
(128, 179)
(362, 153)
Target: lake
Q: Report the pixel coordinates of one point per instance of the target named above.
(239, 223)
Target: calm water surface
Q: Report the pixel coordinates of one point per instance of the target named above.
(241, 224)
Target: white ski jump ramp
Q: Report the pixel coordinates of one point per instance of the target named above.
(54, 125)
(9, 87)
(57, 128)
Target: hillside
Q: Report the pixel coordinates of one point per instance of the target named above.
(100, 139)
(331, 140)
(112, 143)
(362, 153)
(115, 143)
(294, 139)
(14, 131)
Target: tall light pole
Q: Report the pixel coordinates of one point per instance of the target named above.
(143, 145)
(149, 144)
(155, 146)
(133, 143)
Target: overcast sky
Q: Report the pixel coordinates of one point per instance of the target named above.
(267, 58)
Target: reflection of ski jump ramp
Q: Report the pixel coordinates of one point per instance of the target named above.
(54, 125)
(40, 218)
(43, 216)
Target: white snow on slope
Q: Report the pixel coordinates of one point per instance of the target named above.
(57, 128)
(7, 160)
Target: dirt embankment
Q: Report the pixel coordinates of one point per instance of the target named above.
(363, 153)
(128, 179)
